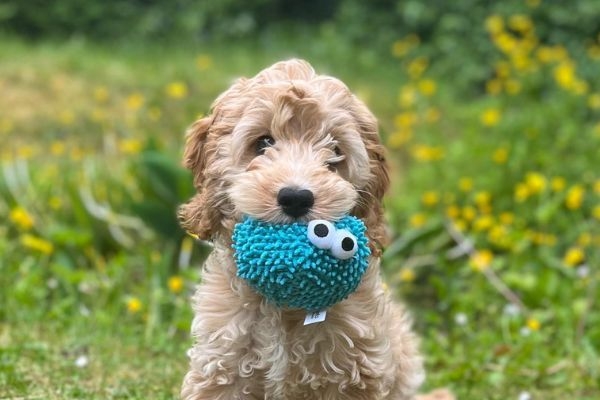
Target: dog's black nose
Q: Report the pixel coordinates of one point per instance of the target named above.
(295, 202)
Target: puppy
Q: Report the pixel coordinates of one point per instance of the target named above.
(289, 130)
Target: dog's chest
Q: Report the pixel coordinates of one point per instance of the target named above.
(316, 361)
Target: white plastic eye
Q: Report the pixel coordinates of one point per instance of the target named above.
(344, 245)
(321, 233)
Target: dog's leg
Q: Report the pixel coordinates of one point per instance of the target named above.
(224, 364)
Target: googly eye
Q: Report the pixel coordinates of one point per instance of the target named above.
(321, 233)
(344, 245)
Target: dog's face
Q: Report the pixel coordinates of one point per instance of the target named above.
(283, 146)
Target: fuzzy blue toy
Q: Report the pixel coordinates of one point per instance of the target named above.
(309, 266)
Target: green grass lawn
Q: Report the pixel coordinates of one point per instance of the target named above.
(495, 212)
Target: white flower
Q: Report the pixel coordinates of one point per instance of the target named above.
(524, 396)
(82, 361)
(525, 331)
(461, 319)
(511, 310)
(583, 271)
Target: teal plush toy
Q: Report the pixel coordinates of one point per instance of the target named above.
(308, 266)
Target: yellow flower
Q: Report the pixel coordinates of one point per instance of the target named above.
(558, 183)
(505, 42)
(580, 87)
(521, 62)
(584, 239)
(483, 223)
(26, 152)
(483, 198)
(417, 66)
(401, 47)
(417, 220)
(574, 256)
(407, 96)
(465, 184)
(536, 182)
(493, 86)
(57, 148)
(498, 235)
(460, 225)
(38, 244)
(574, 197)
(564, 75)
(427, 153)
(507, 218)
(134, 305)
(101, 94)
(541, 238)
(20, 217)
(134, 101)
(597, 186)
(500, 155)
(521, 192)
(452, 211)
(596, 212)
(430, 198)
(490, 117)
(175, 284)
(204, 62)
(405, 120)
(130, 146)
(494, 24)
(469, 213)
(427, 87)
(594, 101)
(406, 275)
(481, 260)
(176, 90)
(520, 23)
(533, 324)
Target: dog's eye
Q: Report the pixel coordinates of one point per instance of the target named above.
(321, 233)
(333, 163)
(344, 244)
(262, 143)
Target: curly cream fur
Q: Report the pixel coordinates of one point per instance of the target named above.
(246, 348)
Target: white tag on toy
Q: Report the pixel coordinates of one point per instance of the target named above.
(315, 316)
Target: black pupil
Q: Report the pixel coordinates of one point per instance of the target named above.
(321, 230)
(347, 244)
(263, 142)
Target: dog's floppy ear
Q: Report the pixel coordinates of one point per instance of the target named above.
(370, 204)
(199, 216)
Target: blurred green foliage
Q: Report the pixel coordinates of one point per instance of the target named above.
(451, 33)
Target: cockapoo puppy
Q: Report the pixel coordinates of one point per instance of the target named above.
(290, 145)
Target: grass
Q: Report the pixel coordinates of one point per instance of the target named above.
(494, 212)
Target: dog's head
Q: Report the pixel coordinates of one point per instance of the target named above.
(285, 145)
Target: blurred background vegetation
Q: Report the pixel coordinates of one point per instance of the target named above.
(491, 113)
